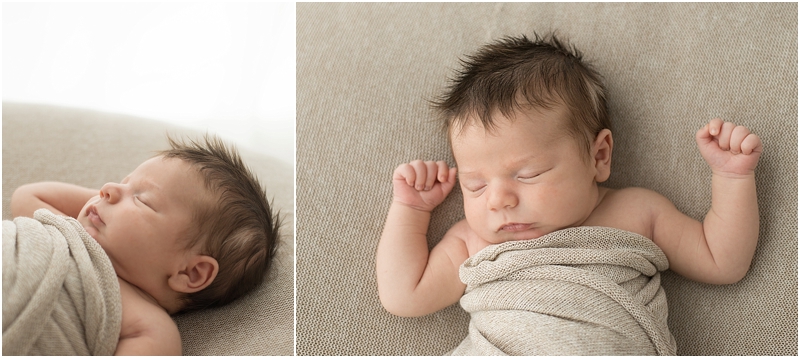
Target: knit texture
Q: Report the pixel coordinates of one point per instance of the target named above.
(577, 291)
(366, 71)
(60, 293)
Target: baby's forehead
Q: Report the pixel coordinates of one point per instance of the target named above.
(555, 119)
(172, 177)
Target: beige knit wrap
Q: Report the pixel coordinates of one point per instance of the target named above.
(60, 293)
(577, 291)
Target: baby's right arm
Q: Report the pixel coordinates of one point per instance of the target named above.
(411, 281)
(60, 198)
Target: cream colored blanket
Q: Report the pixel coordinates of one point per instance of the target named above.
(578, 291)
(60, 293)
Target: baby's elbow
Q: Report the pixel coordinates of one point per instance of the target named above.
(18, 200)
(730, 276)
(400, 308)
(736, 276)
(395, 309)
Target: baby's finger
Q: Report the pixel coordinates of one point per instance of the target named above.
(737, 136)
(444, 171)
(421, 174)
(406, 173)
(447, 186)
(751, 144)
(724, 137)
(431, 167)
(715, 126)
(703, 136)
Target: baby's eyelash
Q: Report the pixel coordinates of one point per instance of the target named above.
(532, 176)
(475, 190)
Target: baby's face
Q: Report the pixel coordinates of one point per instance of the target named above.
(140, 222)
(525, 179)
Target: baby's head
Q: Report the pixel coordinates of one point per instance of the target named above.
(191, 227)
(513, 75)
(529, 129)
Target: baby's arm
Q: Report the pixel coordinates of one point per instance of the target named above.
(410, 281)
(720, 249)
(60, 198)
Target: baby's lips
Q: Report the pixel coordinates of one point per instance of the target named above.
(94, 216)
(514, 227)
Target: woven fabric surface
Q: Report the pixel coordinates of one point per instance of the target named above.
(365, 73)
(91, 148)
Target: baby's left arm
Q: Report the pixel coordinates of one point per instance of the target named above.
(720, 249)
(60, 198)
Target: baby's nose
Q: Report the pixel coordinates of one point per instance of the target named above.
(501, 197)
(111, 192)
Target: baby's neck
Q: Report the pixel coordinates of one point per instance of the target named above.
(169, 304)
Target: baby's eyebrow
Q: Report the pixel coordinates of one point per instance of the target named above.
(149, 184)
(467, 173)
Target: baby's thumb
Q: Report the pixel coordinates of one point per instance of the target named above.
(451, 181)
(703, 135)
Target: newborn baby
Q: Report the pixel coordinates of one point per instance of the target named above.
(188, 229)
(530, 133)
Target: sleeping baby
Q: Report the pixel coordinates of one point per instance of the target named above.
(529, 131)
(188, 229)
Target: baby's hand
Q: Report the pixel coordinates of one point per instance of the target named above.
(423, 185)
(729, 149)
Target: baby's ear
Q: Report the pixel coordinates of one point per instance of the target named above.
(601, 155)
(198, 273)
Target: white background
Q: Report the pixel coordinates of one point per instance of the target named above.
(228, 68)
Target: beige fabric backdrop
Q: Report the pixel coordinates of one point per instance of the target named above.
(43, 143)
(365, 71)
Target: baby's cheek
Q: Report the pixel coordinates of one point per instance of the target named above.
(473, 217)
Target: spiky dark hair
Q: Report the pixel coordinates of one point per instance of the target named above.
(514, 72)
(238, 228)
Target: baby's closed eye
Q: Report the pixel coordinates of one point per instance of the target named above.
(139, 199)
(530, 175)
(473, 186)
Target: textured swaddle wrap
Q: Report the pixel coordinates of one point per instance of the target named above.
(577, 291)
(60, 293)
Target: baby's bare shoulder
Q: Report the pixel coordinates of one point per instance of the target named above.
(146, 328)
(455, 242)
(633, 209)
(468, 242)
(635, 198)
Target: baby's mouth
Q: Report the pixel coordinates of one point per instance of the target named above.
(94, 217)
(514, 227)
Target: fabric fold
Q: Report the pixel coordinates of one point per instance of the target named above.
(60, 292)
(577, 291)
